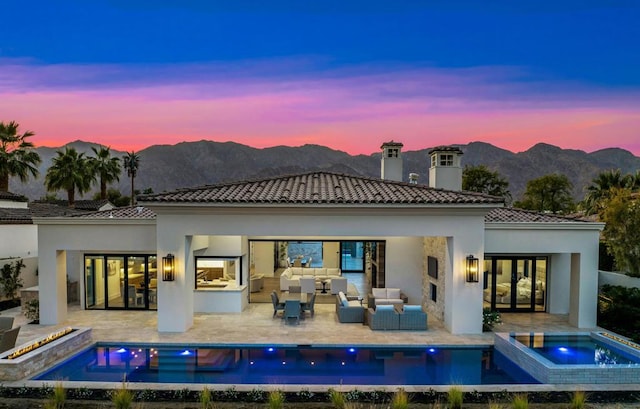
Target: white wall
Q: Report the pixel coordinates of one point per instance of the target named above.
(617, 278)
(263, 257)
(404, 266)
(18, 240)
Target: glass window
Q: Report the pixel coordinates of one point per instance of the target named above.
(217, 271)
(446, 160)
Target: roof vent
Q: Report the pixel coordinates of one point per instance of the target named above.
(111, 215)
(139, 209)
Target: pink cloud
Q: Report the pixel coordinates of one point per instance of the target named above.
(350, 109)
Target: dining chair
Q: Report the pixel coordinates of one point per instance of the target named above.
(310, 305)
(277, 305)
(292, 310)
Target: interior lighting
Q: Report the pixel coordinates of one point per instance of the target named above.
(472, 269)
(168, 268)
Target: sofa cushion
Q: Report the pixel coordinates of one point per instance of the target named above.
(384, 307)
(297, 271)
(379, 292)
(353, 303)
(393, 293)
(333, 271)
(413, 307)
(320, 272)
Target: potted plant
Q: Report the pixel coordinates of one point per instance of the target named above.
(490, 318)
(32, 310)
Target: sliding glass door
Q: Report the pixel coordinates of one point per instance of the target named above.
(515, 283)
(120, 281)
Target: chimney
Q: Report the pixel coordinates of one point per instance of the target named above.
(413, 178)
(445, 171)
(391, 163)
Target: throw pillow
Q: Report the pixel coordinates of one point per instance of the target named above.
(413, 307)
(343, 299)
(384, 307)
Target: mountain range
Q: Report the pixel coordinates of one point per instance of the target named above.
(188, 164)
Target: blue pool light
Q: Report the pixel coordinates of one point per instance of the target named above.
(121, 351)
(186, 352)
(271, 349)
(431, 350)
(563, 349)
(351, 350)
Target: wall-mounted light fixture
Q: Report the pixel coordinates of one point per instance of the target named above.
(168, 268)
(472, 269)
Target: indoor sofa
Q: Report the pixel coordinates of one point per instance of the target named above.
(291, 276)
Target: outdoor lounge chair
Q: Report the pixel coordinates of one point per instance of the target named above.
(6, 323)
(277, 305)
(292, 310)
(310, 305)
(8, 339)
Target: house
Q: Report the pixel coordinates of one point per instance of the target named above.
(454, 252)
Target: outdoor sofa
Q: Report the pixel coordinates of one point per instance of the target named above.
(412, 317)
(349, 310)
(392, 317)
(291, 276)
(386, 296)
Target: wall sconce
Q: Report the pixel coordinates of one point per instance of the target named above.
(168, 268)
(472, 269)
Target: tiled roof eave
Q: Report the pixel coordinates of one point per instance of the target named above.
(532, 225)
(316, 204)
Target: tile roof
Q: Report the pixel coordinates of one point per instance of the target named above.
(12, 197)
(79, 204)
(513, 215)
(136, 212)
(319, 188)
(25, 216)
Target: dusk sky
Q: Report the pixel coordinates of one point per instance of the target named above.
(347, 74)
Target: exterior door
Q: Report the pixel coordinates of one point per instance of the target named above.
(515, 283)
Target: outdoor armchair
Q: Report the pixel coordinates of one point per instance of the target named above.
(383, 318)
(349, 311)
(8, 339)
(412, 317)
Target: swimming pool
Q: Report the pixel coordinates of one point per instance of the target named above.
(577, 349)
(299, 365)
(578, 358)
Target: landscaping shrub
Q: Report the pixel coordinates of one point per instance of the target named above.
(454, 397)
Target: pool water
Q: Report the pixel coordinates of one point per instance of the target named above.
(302, 365)
(577, 350)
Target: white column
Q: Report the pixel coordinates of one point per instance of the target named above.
(584, 289)
(175, 298)
(52, 274)
(463, 301)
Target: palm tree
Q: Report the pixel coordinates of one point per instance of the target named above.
(105, 167)
(16, 155)
(131, 163)
(70, 171)
(601, 188)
